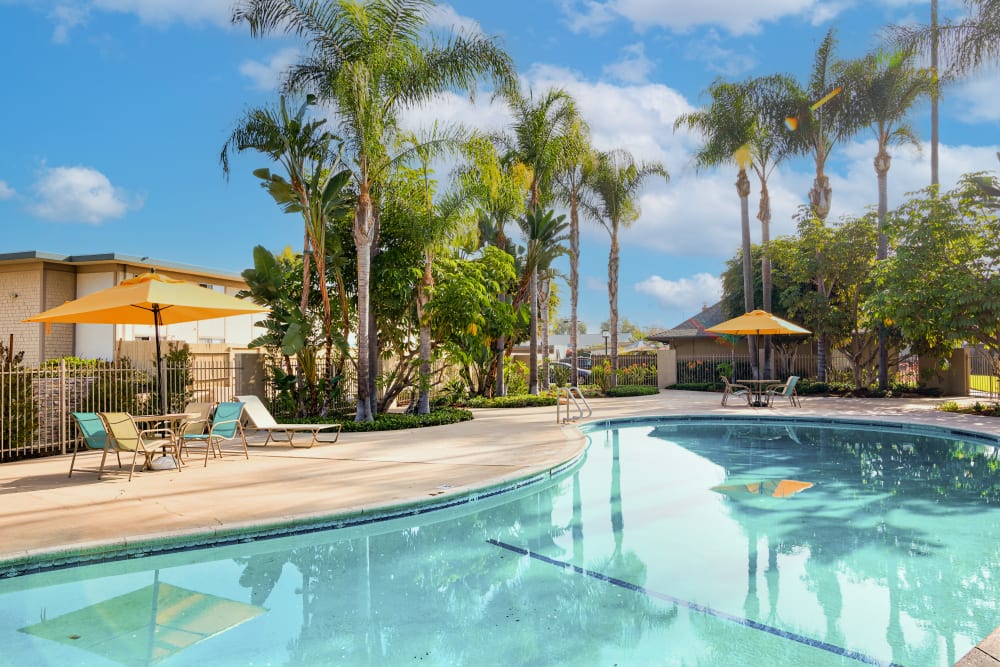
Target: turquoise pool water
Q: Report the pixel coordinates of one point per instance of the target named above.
(666, 546)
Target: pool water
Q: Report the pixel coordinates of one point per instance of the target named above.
(666, 546)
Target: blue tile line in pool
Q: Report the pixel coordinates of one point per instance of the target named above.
(784, 634)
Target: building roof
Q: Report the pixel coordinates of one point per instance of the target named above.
(694, 326)
(114, 257)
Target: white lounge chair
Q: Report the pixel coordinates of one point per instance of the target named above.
(260, 419)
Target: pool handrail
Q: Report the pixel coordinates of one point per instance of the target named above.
(572, 393)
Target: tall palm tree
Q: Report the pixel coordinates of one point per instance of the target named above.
(496, 189)
(301, 146)
(818, 133)
(616, 183)
(882, 89)
(544, 233)
(726, 126)
(770, 144)
(369, 61)
(966, 45)
(579, 158)
(540, 128)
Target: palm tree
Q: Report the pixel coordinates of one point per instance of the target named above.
(882, 88)
(726, 126)
(770, 143)
(496, 188)
(544, 234)
(967, 44)
(818, 133)
(369, 62)
(301, 146)
(540, 129)
(615, 184)
(579, 158)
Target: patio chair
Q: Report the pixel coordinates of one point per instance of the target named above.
(197, 423)
(226, 425)
(786, 390)
(261, 420)
(95, 437)
(735, 391)
(125, 436)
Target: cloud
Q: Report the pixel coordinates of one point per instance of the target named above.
(444, 16)
(719, 58)
(79, 194)
(268, 76)
(736, 17)
(6, 192)
(974, 100)
(165, 12)
(688, 294)
(66, 17)
(634, 67)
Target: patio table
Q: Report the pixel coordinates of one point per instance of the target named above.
(758, 387)
(169, 422)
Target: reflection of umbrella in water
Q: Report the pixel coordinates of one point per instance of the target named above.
(758, 323)
(150, 298)
(145, 626)
(767, 488)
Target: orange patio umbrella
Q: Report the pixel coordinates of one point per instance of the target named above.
(758, 323)
(774, 488)
(149, 298)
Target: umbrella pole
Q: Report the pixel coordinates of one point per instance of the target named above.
(160, 379)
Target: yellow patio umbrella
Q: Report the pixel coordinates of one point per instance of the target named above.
(758, 323)
(149, 298)
(146, 626)
(773, 488)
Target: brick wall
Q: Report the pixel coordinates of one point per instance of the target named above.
(20, 297)
(60, 286)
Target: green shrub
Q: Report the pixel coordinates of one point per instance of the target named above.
(525, 401)
(18, 413)
(395, 421)
(695, 386)
(632, 390)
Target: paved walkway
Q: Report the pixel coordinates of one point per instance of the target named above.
(45, 514)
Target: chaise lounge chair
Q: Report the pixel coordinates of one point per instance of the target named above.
(261, 420)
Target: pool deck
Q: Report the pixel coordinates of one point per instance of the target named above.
(44, 513)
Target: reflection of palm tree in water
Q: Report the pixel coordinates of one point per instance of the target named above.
(260, 573)
(617, 518)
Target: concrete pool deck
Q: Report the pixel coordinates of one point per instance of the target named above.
(45, 513)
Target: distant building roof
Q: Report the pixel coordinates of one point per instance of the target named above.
(693, 327)
(114, 257)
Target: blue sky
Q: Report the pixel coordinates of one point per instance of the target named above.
(115, 112)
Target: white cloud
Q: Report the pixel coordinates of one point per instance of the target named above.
(79, 194)
(165, 12)
(268, 76)
(721, 58)
(66, 18)
(6, 192)
(634, 67)
(445, 16)
(975, 100)
(736, 17)
(688, 294)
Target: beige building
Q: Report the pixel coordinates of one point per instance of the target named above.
(31, 282)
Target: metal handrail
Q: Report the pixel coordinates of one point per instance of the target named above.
(571, 394)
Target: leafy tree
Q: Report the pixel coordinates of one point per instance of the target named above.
(369, 61)
(726, 125)
(18, 413)
(941, 287)
(616, 184)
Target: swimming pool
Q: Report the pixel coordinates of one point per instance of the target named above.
(671, 543)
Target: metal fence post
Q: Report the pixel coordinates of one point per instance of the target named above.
(62, 404)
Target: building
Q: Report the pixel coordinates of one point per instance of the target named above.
(31, 282)
(690, 336)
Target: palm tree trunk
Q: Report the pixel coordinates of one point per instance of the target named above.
(613, 268)
(764, 215)
(935, 138)
(304, 303)
(363, 240)
(545, 293)
(743, 189)
(882, 163)
(574, 287)
(533, 338)
(424, 400)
